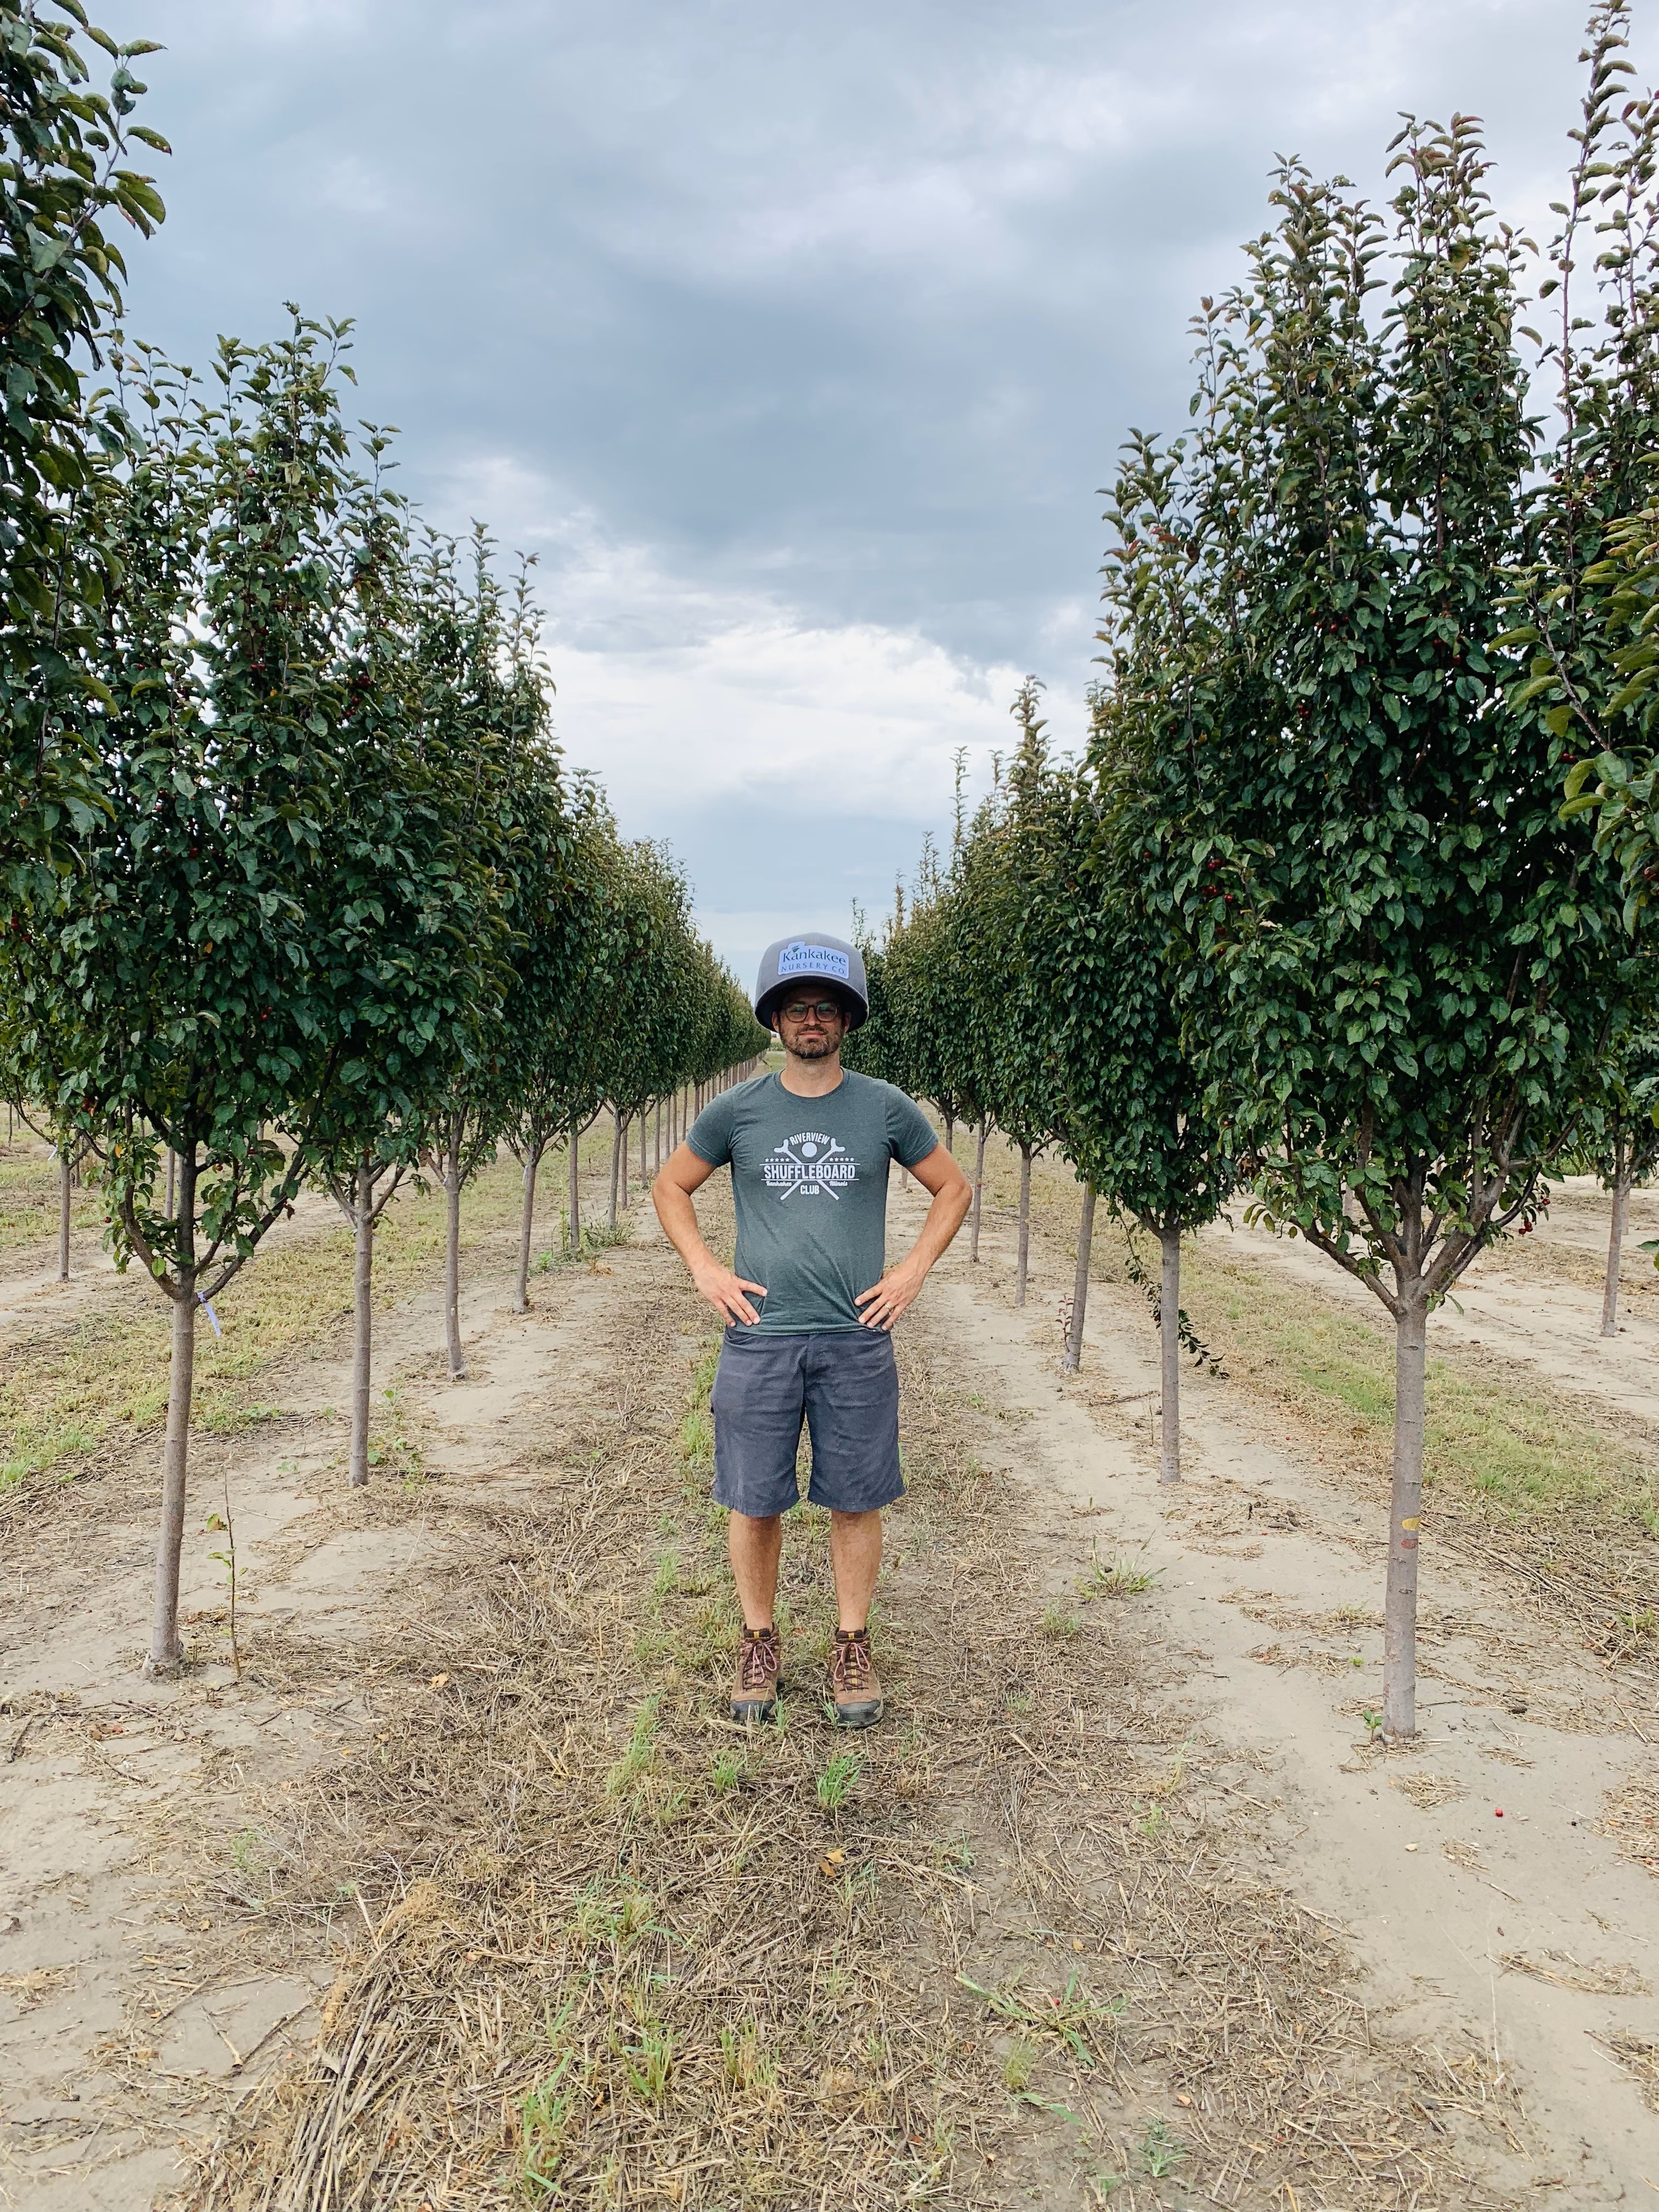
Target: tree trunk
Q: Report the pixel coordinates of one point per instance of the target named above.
(173, 1177)
(951, 1135)
(166, 1650)
(66, 1204)
(532, 1160)
(1023, 1265)
(453, 1254)
(1085, 1237)
(1169, 1311)
(575, 1190)
(1405, 1512)
(979, 1191)
(616, 1161)
(362, 1320)
(1622, 1183)
(644, 1133)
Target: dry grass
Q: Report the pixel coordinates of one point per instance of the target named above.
(29, 1200)
(1549, 1490)
(1631, 1816)
(70, 1391)
(1426, 1791)
(1640, 2059)
(623, 1954)
(1567, 1972)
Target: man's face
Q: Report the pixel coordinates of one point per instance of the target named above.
(811, 1024)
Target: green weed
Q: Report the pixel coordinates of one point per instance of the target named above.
(610, 1914)
(641, 1754)
(1020, 2066)
(1120, 1579)
(648, 2063)
(1067, 2016)
(709, 1636)
(697, 1440)
(594, 1241)
(1161, 2151)
(745, 2065)
(1625, 1635)
(834, 1783)
(545, 2117)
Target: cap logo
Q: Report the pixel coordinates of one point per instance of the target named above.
(802, 959)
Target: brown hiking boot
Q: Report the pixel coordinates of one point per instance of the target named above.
(853, 1679)
(755, 1693)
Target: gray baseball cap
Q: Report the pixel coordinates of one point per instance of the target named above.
(814, 956)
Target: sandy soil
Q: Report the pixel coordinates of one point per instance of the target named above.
(1256, 1556)
(129, 2008)
(32, 1297)
(1505, 1303)
(138, 2001)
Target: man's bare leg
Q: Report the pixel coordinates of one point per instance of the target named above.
(856, 1554)
(754, 1546)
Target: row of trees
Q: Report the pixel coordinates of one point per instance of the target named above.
(294, 885)
(1312, 919)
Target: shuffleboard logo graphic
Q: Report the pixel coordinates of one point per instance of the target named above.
(810, 1164)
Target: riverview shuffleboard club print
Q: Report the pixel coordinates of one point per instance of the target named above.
(809, 1161)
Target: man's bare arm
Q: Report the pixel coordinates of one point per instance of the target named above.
(682, 1172)
(952, 1195)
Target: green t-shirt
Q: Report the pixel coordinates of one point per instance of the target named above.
(809, 1178)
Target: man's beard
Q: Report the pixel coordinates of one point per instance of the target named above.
(811, 1047)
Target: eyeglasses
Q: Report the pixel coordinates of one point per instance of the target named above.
(826, 1010)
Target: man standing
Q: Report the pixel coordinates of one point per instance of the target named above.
(810, 1304)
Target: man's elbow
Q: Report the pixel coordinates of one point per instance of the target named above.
(669, 1189)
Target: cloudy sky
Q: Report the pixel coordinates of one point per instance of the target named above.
(794, 342)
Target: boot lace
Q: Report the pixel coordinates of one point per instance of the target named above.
(758, 1661)
(853, 1667)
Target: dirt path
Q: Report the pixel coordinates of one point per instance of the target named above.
(1451, 1865)
(137, 1991)
(32, 1300)
(1550, 1325)
(1070, 1929)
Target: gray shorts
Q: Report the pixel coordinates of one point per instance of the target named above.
(843, 1385)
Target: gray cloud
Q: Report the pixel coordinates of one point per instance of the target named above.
(796, 344)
